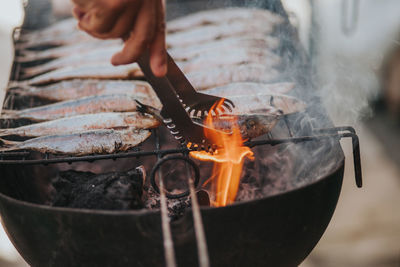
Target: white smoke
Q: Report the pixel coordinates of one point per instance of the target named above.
(348, 65)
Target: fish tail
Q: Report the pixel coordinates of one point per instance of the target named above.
(17, 84)
(23, 90)
(27, 56)
(142, 108)
(7, 145)
(32, 71)
(8, 114)
(4, 132)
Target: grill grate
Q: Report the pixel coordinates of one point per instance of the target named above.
(294, 58)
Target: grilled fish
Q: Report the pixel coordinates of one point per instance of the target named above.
(245, 104)
(252, 41)
(214, 32)
(178, 53)
(87, 105)
(83, 143)
(80, 123)
(106, 71)
(214, 77)
(251, 124)
(63, 27)
(63, 51)
(230, 57)
(189, 35)
(250, 88)
(65, 39)
(75, 89)
(207, 59)
(97, 56)
(218, 16)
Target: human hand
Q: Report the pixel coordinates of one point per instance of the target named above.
(140, 23)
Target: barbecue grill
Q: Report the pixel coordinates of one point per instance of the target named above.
(279, 229)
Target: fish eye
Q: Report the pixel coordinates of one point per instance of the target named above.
(251, 123)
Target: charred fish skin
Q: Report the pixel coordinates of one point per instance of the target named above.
(250, 125)
(80, 123)
(78, 88)
(87, 105)
(83, 143)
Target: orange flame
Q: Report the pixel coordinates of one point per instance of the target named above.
(228, 161)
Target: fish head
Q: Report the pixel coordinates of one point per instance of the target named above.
(258, 123)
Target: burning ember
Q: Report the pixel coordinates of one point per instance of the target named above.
(228, 161)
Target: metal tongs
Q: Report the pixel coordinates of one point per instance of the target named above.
(179, 99)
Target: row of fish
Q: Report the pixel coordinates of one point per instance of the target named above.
(212, 50)
(258, 112)
(202, 26)
(98, 108)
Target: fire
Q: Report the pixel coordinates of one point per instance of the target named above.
(228, 161)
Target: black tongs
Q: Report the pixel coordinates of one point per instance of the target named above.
(180, 99)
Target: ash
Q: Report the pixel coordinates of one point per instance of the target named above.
(176, 207)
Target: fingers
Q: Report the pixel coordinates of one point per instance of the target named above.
(125, 22)
(97, 17)
(140, 37)
(158, 53)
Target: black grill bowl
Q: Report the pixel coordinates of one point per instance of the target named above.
(280, 230)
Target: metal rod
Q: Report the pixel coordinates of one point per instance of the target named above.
(166, 230)
(202, 250)
(165, 226)
(88, 158)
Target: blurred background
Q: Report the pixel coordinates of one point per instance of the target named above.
(355, 50)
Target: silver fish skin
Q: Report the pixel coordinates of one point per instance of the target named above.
(218, 16)
(62, 27)
(230, 57)
(75, 89)
(250, 88)
(87, 105)
(219, 76)
(106, 71)
(97, 56)
(83, 143)
(65, 51)
(206, 60)
(286, 105)
(214, 32)
(69, 125)
(67, 39)
(258, 41)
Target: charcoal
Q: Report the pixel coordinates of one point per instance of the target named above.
(108, 191)
(176, 207)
